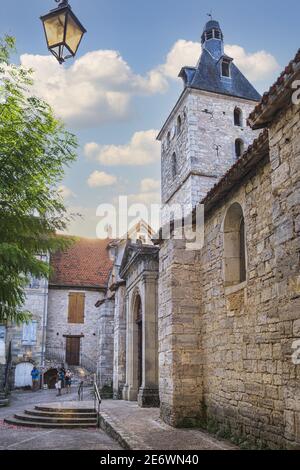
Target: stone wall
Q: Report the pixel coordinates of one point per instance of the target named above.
(226, 352)
(58, 326)
(105, 353)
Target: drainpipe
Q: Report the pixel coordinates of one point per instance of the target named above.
(45, 321)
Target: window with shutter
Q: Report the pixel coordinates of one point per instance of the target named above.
(76, 308)
(29, 333)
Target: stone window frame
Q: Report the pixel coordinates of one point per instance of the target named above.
(237, 284)
(179, 124)
(238, 117)
(239, 152)
(174, 165)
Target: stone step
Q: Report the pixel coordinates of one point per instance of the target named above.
(64, 409)
(54, 420)
(30, 424)
(4, 402)
(61, 414)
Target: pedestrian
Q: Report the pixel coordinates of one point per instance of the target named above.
(35, 375)
(58, 385)
(68, 380)
(63, 376)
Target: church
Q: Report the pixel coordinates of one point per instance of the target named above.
(208, 335)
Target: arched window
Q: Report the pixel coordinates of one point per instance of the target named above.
(179, 125)
(234, 246)
(168, 138)
(238, 117)
(174, 165)
(239, 148)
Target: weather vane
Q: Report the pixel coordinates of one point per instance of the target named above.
(210, 14)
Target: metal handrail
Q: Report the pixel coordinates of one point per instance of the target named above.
(80, 391)
(7, 368)
(97, 401)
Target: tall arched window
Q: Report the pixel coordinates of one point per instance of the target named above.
(239, 148)
(238, 117)
(174, 165)
(234, 246)
(168, 138)
(179, 125)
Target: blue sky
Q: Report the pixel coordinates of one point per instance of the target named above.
(143, 33)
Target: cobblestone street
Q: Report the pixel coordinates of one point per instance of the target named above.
(18, 438)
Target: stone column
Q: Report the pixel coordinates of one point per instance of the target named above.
(106, 344)
(148, 394)
(119, 377)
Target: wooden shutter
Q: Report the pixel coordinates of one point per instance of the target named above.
(76, 308)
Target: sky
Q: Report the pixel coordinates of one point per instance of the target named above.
(118, 91)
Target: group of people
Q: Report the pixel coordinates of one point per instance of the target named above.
(63, 380)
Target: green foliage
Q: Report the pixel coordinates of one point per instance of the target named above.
(34, 150)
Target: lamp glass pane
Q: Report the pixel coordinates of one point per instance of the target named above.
(54, 27)
(73, 35)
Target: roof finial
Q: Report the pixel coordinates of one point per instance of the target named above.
(210, 14)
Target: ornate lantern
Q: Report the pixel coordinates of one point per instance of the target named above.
(63, 31)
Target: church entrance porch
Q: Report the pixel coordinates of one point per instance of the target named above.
(141, 325)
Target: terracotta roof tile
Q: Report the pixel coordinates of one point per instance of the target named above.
(85, 264)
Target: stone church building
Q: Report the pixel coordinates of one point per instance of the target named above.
(209, 335)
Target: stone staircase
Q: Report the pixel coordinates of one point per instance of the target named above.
(56, 416)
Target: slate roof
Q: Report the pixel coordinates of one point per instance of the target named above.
(207, 74)
(277, 96)
(207, 77)
(85, 264)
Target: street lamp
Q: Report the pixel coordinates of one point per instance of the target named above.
(63, 31)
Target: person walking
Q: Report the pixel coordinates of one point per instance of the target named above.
(58, 385)
(68, 380)
(35, 375)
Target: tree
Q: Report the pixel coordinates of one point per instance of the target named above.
(34, 150)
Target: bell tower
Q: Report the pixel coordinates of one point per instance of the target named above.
(206, 132)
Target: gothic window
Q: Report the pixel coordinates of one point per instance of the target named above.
(76, 308)
(239, 148)
(234, 246)
(174, 165)
(238, 117)
(179, 125)
(225, 68)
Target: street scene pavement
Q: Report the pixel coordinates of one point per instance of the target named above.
(19, 438)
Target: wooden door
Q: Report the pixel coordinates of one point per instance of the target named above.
(73, 351)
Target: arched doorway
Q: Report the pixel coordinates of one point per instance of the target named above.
(23, 375)
(50, 378)
(139, 323)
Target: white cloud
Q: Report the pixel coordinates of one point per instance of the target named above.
(100, 178)
(149, 184)
(259, 65)
(65, 192)
(256, 66)
(142, 149)
(97, 88)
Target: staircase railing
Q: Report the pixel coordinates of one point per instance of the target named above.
(97, 401)
(80, 391)
(59, 355)
(7, 368)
